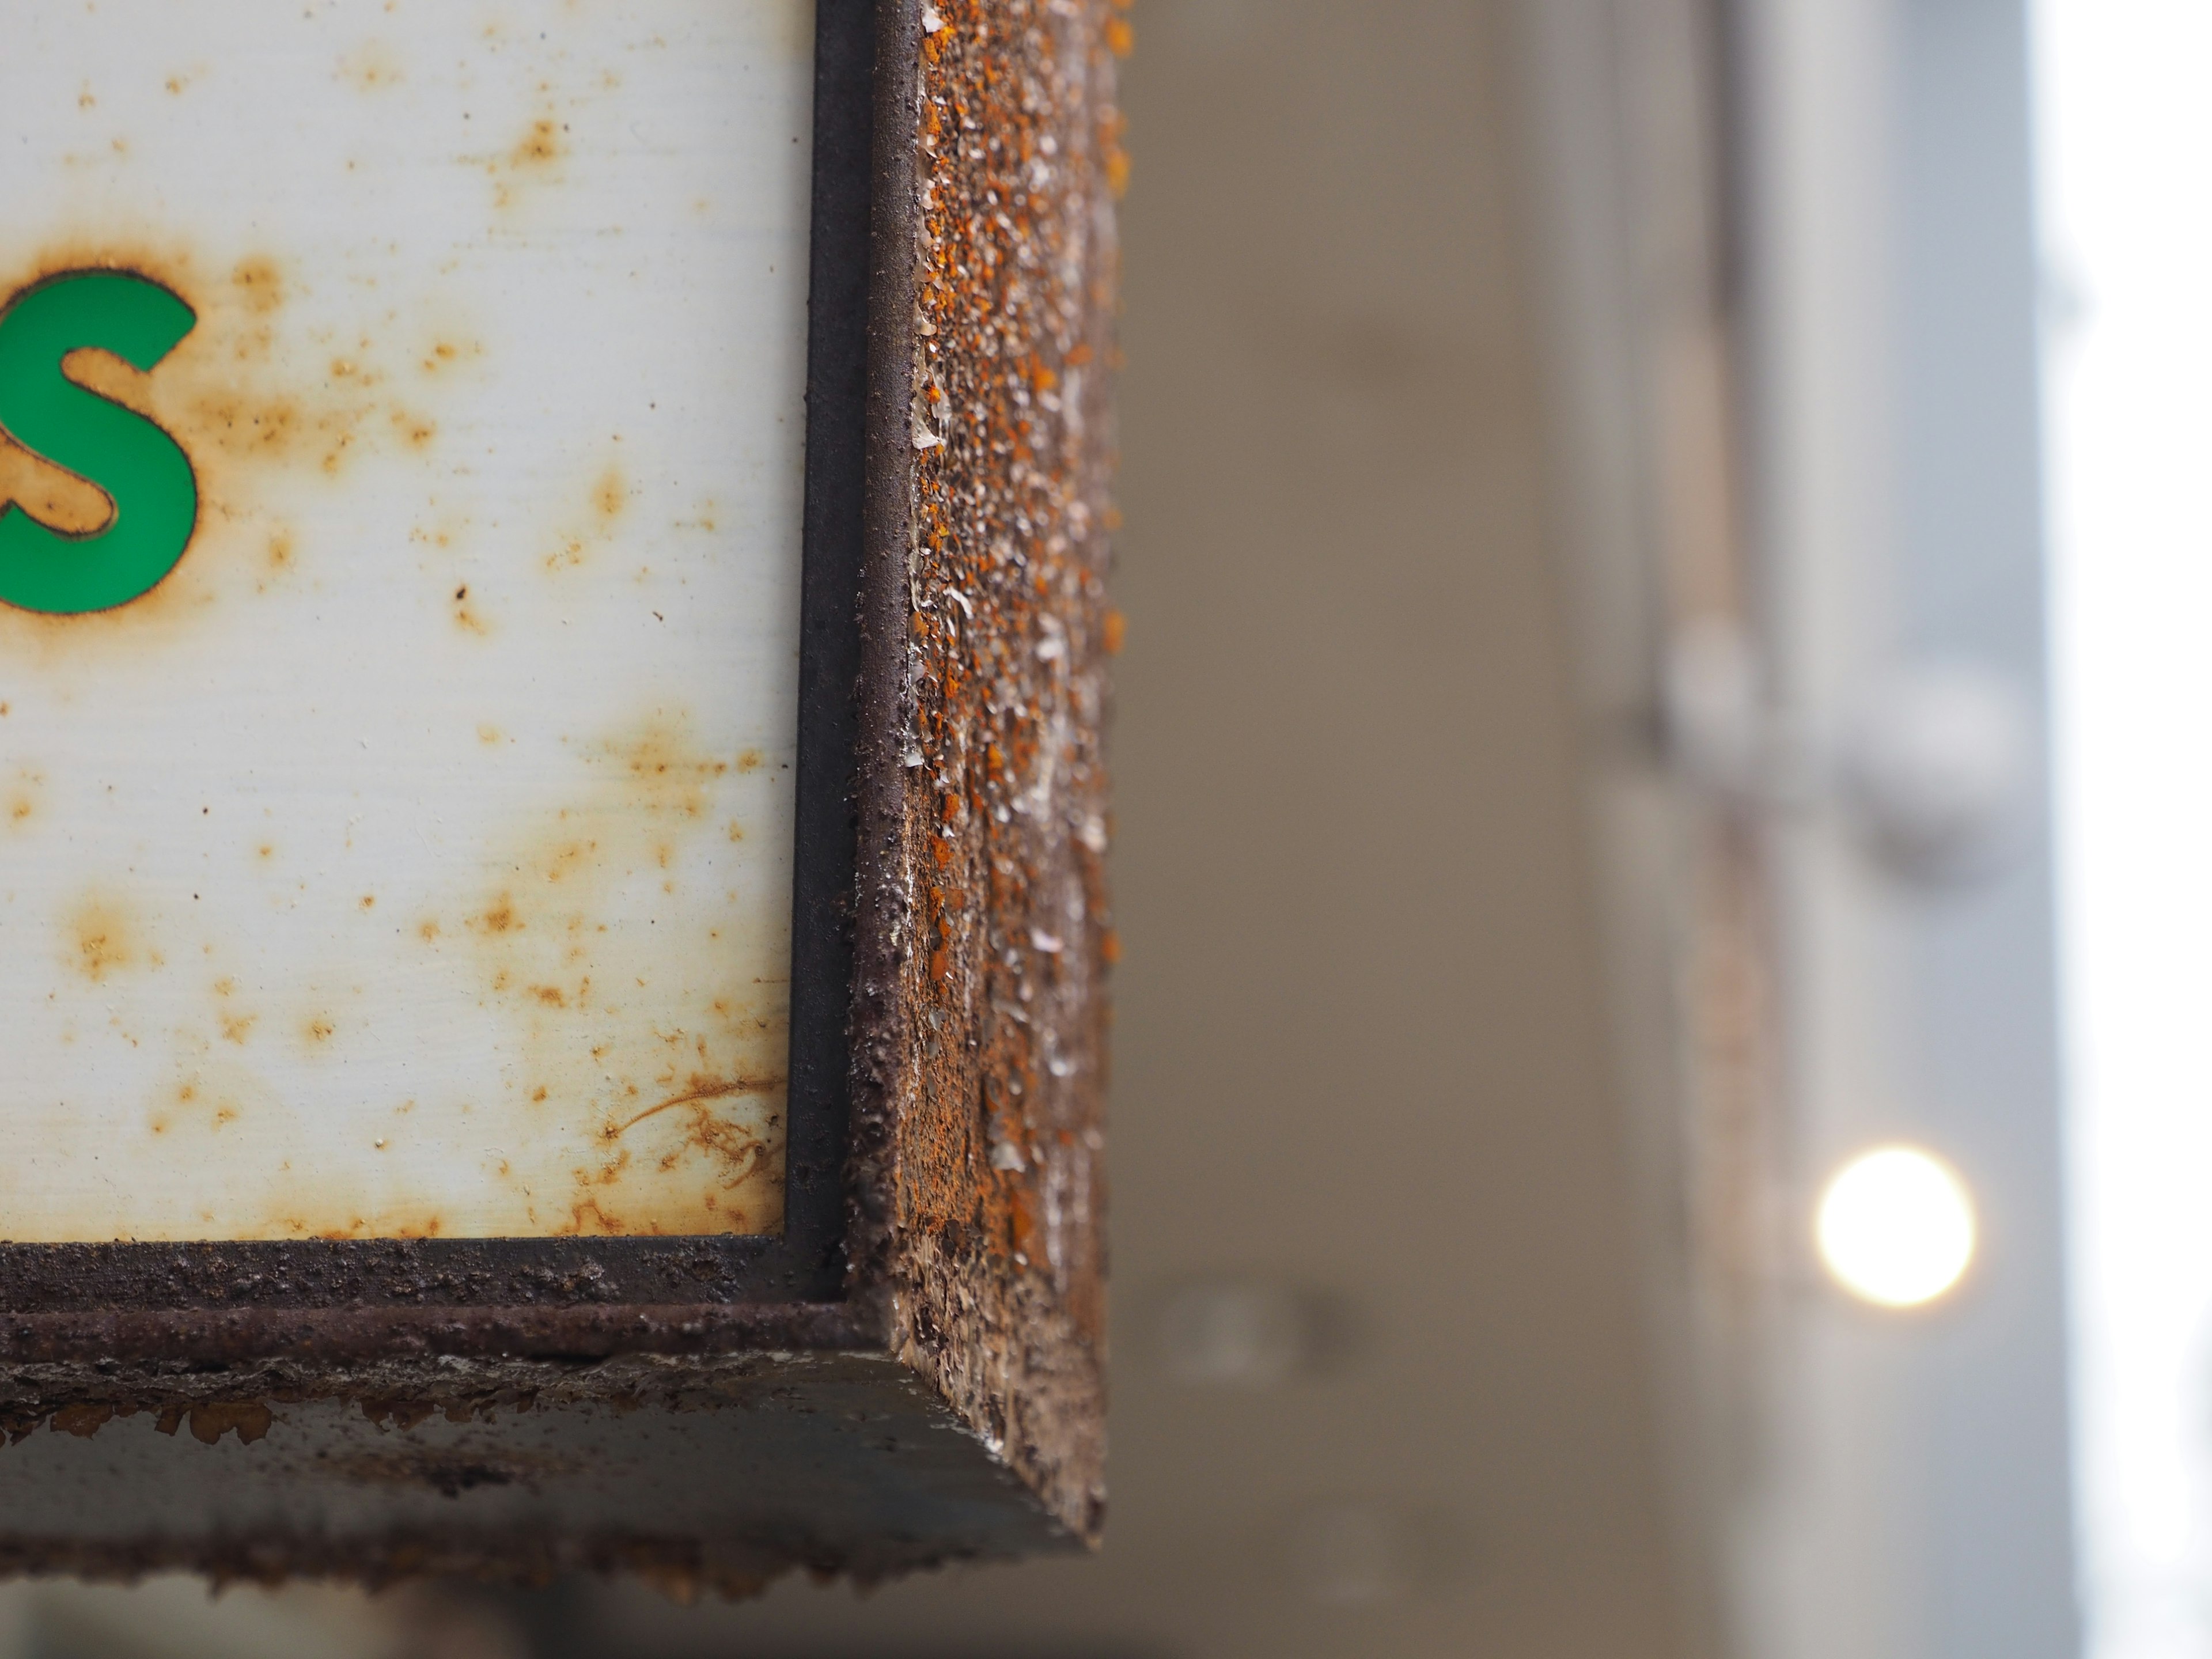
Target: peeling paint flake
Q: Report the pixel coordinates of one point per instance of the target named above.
(413, 858)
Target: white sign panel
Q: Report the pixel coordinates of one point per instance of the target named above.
(398, 615)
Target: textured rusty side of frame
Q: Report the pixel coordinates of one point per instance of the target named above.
(986, 933)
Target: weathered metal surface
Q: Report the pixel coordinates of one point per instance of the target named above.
(415, 859)
(699, 1473)
(912, 1372)
(985, 933)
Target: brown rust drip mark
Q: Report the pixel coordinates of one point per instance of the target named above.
(211, 1419)
(699, 1091)
(601, 1220)
(466, 616)
(84, 1419)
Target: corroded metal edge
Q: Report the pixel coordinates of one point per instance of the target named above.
(984, 933)
(339, 1336)
(973, 1274)
(878, 1024)
(878, 1419)
(401, 1273)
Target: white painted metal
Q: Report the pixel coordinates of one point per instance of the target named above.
(415, 859)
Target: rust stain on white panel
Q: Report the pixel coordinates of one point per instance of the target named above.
(414, 859)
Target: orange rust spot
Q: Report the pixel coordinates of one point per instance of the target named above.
(260, 283)
(664, 774)
(319, 1028)
(368, 901)
(1113, 632)
(237, 1027)
(413, 431)
(551, 995)
(467, 618)
(586, 1216)
(372, 66)
(101, 939)
(541, 144)
(427, 931)
(443, 354)
(498, 918)
(611, 495)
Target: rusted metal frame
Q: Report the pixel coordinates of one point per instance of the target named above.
(491, 1283)
(988, 503)
(836, 1407)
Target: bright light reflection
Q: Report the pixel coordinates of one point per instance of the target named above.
(2125, 138)
(1896, 1227)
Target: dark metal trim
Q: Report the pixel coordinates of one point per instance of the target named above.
(877, 1017)
(497, 1277)
(832, 764)
(355, 1336)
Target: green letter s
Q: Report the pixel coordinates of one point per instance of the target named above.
(137, 465)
